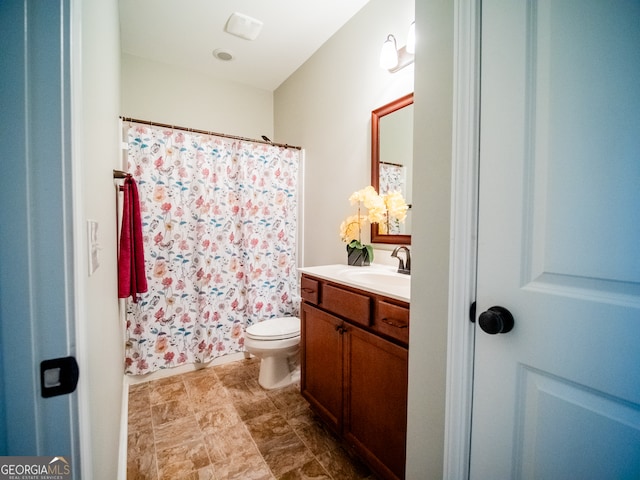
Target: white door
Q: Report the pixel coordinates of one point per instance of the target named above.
(558, 397)
(37, 417)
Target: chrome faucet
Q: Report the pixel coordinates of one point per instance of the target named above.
(403, 267)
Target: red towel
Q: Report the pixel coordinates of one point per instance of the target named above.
(132, 278)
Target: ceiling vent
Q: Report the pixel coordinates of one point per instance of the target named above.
(224, 55)
(243, 26)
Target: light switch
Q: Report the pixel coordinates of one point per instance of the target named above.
(93, 245)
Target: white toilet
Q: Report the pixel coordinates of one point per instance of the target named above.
(277, 343)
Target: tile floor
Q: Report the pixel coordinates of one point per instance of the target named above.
(218, 423)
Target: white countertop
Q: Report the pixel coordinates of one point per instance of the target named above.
(380, 279)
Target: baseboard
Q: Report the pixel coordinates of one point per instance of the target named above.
(192, 367)
(124, 431)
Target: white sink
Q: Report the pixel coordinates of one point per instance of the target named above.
(378, 278)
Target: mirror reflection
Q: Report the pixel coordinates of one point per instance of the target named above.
(392, 162)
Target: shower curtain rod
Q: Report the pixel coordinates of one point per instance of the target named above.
(205, 132)
(392, 164)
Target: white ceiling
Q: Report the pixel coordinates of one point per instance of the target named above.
(184, 33)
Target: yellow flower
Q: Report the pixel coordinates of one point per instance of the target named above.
(371, 201)
(350, 228)
(395, 205)
(377, 212)
(362, 195)
(380, 209)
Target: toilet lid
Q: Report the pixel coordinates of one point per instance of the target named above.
(275, 329)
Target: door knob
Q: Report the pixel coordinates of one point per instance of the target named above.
(496, 320)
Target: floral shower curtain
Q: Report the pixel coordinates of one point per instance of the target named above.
(219, 220)
(392, 179)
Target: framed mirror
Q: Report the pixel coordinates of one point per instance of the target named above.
(392, 162)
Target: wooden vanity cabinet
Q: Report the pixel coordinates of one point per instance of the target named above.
(375, 418)
(322, 364)
(354, 362)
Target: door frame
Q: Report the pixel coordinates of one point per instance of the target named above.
(464, 241)
(79, 261)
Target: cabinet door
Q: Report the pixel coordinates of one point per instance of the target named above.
(321, 362)
(376, 401)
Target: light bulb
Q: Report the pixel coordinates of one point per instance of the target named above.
(389, 53)
(411, 39)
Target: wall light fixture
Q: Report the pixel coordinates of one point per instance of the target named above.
(394, 59)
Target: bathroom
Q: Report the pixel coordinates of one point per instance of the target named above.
(303, 112)
(100, 85)
(87, 322)
(326, 109)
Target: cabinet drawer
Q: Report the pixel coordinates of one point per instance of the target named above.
(351, 305)
(392, 320)
(310, 290)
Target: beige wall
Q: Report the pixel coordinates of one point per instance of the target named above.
(161, 93)
(430, 272)
(101, 339)
(325, 106)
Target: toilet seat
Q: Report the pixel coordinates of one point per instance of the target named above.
(280, 328)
